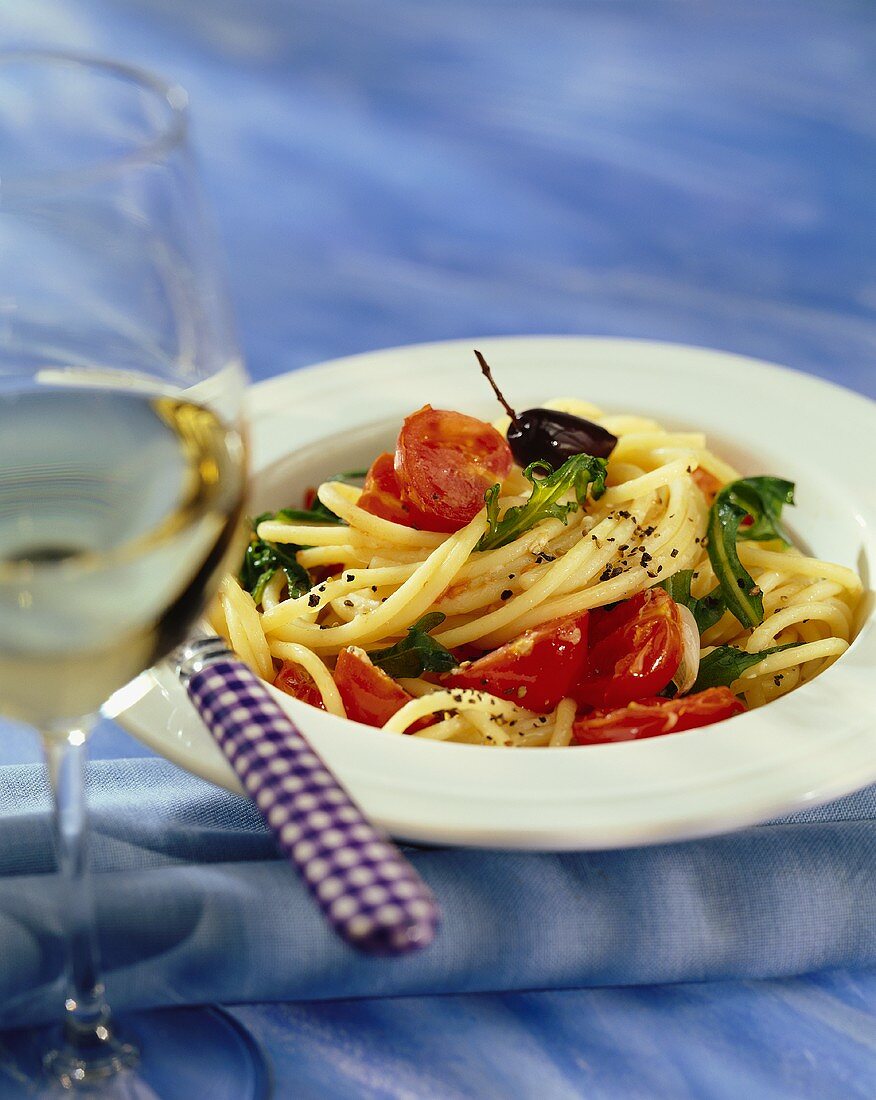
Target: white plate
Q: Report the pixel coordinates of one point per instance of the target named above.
(814, 744)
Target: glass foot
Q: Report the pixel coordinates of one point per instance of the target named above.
(173, 1054)
(93, 1060)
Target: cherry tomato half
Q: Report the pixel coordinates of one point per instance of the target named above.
(294, 680)
(710, 486)
(707, 483)
(536, 670)
(635, 650)
(654, 717)
(382, 495)
(369, 694)
(445, 462)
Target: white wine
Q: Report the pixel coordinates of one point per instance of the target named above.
(118, 512)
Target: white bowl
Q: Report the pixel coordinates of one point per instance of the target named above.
(812, 745)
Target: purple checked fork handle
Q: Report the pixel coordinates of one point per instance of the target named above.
(370, 894)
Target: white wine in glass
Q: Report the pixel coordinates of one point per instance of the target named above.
(122, 473)
(116, 509)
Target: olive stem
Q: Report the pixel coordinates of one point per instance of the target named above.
(488, 374)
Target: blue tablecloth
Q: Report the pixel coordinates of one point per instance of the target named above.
(391, 172)
(195, 907)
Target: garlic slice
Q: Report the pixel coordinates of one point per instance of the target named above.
(689, 665)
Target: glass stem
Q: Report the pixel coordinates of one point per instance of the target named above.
(88, 1048)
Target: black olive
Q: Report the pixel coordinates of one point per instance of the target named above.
(553, 436)
(548, 435)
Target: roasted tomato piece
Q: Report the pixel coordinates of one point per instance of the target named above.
(369, 694)
(445, 462)
(710, 486)
(382, 495)
(294, 680)
(536, 670)
(654, 717)
(635, 650)
(707, 483)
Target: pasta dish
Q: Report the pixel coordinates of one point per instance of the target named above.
(560, 577)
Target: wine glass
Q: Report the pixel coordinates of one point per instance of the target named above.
(122, 470)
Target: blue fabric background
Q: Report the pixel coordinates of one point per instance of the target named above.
(394, 171)
(195, 907)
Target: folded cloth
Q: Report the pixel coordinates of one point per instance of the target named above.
(195, 907)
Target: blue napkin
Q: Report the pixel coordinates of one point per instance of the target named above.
(194, 905)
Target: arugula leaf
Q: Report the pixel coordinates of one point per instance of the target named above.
(726, 663)
(317, 512)
(741, 594)
(349, 476)
(762, 499)
(417, 653)
(580, 472)
(262, 560)
(707, 610)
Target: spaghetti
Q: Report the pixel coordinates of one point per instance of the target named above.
(373, 578)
